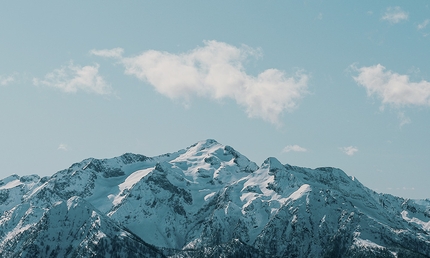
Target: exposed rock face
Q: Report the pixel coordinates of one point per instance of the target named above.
(205, 201)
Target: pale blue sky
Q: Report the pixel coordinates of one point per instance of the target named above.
(312, 83)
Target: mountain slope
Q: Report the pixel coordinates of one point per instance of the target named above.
(74, 229)
(207, 200)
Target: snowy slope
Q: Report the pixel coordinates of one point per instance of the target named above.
(74, 228)
(207, 200)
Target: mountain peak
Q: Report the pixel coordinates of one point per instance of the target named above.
(206, 200)
(273, 163)
(205, 144)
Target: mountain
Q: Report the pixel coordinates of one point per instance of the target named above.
(207, 200)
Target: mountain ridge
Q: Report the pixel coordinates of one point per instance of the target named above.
(209, 200)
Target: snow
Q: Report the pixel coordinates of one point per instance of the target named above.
(423, 224)
(73, 202)
(209, 196)
(322, 221)
(11, 184)
(300, 192)
(367, 244)
(85, 167)
(129, 182)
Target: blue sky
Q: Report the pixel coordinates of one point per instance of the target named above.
(312, 83)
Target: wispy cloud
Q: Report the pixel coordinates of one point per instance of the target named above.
(394, 15)
(7, 79)
(403, 119)
(216, 71)
(73, 78)
(295, 148)
(111, 53)
(350, 150)
(63, 147)
(393, 88)
(423, 24)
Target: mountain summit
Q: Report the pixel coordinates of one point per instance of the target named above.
(207, 200)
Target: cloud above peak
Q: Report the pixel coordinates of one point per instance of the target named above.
(216, 71)
(423, 25)
(110, 53)
(295, 148)
(403, 119)
(393, 88)
(350, 150)
(395, 15)
(63, 147)
(7, 79)
(73, 78)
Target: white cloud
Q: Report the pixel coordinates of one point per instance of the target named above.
(403, 119)
(112, 53)
(216, 71)
(295, 148)
(73, 78)
(395, 15)
(393, 88)
(350, 150)
(63, 147)
(7, 79)
(423, 24)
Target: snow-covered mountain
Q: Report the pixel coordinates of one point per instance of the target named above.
(207, 200)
